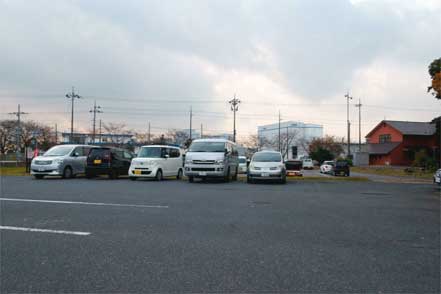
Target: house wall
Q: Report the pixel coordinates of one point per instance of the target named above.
(384, 129)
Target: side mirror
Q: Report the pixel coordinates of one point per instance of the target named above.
(76, 154)
(226, 151)
(166, 156)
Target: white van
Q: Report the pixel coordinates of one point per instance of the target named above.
(211, 158)
(157, 161)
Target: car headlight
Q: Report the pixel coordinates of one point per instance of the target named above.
(219, 161)
(438, 173)
(187, 160)
(57, 161)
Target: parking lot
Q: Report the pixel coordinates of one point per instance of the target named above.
(120, 236)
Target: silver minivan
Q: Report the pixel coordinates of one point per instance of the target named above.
(212, 158)
(61, 160)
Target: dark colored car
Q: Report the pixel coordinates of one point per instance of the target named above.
(108, 161)
(341, 167)
(294, 168)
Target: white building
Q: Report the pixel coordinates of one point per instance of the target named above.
(298, 134)
(86, 138)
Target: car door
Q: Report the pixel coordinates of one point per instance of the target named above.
(169, 162)
(77, 158)
(176, 161)
(127, 160)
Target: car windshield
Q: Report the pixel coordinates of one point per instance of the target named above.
(267, 157)
(150, 152)
(341, 163)
(58, 151)
(328, 162)
(242, 160)
(207, 147)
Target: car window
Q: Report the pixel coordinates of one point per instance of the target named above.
(242, 160)
(174, 153)
(127, 155)
(150, 152)
(58, 151)
(164, 151)
(207, 147)
(267, 157)
(78, 150)
(86, 150)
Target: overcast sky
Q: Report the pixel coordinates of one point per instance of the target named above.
(151, 60)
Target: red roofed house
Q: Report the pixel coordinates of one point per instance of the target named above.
(395, 142)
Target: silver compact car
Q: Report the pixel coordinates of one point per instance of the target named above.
(266, 165)
(66, 161)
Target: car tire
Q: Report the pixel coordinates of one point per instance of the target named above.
(347, 174)
(249, 180)
(190, 179)
(67, 173)
(235, 175)
(179, 176)
(227, 176)
(89, 175)
(132, 178)
(113, 174)
(38, 177)
(158, 176)
(283, 180)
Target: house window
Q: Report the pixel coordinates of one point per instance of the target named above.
(385, 138)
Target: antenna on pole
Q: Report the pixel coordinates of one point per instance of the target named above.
(96, 109)
(234, 107)
(72, 96)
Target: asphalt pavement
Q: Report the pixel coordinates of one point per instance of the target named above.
(102, 236)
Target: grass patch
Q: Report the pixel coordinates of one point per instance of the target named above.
(389, 171)
(329, 179)
(13, 171)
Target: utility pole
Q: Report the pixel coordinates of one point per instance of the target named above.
(359, 123)
(280, 143)
(148, 135)
(202, 131)
(72, 96)
(349, 124)
(100, 131)
(56, 134)
(234, 107)
(96, 109)
(287, 142)
(191, 121)
(18, 114)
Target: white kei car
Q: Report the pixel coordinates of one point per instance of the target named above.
(157, 161)
(327, 167)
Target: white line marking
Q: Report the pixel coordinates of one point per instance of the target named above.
(44, 231)
(82, 203)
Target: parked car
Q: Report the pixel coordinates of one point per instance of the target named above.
(108, 161)
(66, 161)
(294, 168)
(437, 177)
(266, 165)
(157, 161)
(243, 164)
(341, 167)
(327, 167)
(210, 158)
(307, 163)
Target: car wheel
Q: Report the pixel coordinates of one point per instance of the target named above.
(113, 174)
(67, 172)
(249, 180)
(159, 175)
(283, 180)
(347, 174)
(227, 176)
(179, 176)
(38, 177)
(235, 175)
(89, 175)
(132, 178)
(190, 179)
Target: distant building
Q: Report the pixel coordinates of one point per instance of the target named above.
(87, 138)
(301, 134)
(395, 142)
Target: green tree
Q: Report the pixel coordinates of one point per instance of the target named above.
(321, 154)
(435, 75)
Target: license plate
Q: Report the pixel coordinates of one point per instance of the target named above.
(202, 173)
(137, 172)
(265, 175)
(97, 161)
(41, 169)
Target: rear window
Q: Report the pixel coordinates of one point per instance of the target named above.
(341, 163)
(99, 153)
(242, 160)
(267, 157)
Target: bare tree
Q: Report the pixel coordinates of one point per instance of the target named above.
(7, 135)
(287, 138)
(115, 129)
(178, 137)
